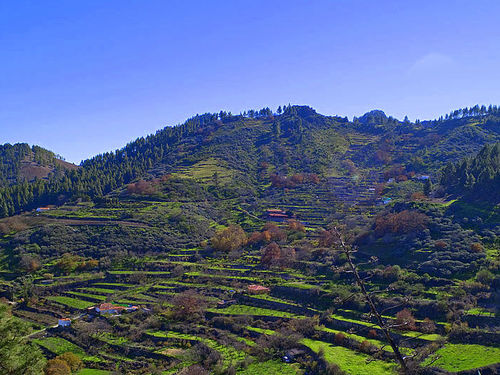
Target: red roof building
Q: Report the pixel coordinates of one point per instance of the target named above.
(278, 215)
(109, 308)
(258, 289)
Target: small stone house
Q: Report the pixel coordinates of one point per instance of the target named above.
(64, 322)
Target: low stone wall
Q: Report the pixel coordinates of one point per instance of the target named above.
(280, 306)
(306, 297)
(480, 338)
(488, 370)
(41, 311)
(478, 321)
(265, 318)
(342, 325)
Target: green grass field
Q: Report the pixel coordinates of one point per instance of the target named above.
(204, 171)
(100, 290)
(94, 296)
(350, 361)
(270, 368)
(230, 355)
(460, 357)
(58, 345)
(92, 371)
(250, 310)
(71, 302)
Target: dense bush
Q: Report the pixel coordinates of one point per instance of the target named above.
(274, 255)
(401, 222)
(229, 239)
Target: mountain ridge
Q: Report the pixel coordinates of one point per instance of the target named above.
(323, 142)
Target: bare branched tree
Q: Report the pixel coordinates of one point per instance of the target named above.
(348, 250)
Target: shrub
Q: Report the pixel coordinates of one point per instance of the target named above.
(402, 222)
(366, 347)
(74, 362)
(29, 263)
(271, 254)
(187, 305)
(476, 247)
(339, 338)
(418, 196)
(484, 276)
(296, 226)
(205, 355)
(193, 370)
(427, 326)
(306, 326)
(391, 273)
(68, 263)
(229, 239)
(440, 245)
(141, 187)
(379, 189)
(326, 238)
(57, 367)
(405, 320)
(274, 232)
(274, 255)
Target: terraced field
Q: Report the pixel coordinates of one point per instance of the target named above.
(263, 315)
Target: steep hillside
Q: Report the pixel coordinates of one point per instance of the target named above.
(477, 177)
(20, 162)
(259, 143)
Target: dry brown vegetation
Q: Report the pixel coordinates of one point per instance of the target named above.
(402, 222)
(229, 239)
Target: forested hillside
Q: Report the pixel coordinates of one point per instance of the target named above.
(255, 138)
(477, 176)
(20, 162)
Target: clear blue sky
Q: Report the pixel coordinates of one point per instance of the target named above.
(81, 77)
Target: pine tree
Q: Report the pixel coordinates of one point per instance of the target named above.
(427, 187)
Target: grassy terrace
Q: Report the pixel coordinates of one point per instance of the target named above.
(110, 339)
(255, 311)
(93, 296)
(267, 297)
(200, 274)
(71, 302)
(270, 368)
(59, 346)
(99, 290)
(377, 343)
(414, 334)
(300, 285)
(425, 336)
(460, 357)
(350, 361)
(115, 284)
(127, 272)
(230, 355)
(261, 330)
(172, 283)
(92, 371)
(480, 312)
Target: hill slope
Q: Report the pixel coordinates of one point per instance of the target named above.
(181, 223)
(20, 162)
(297, 141)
